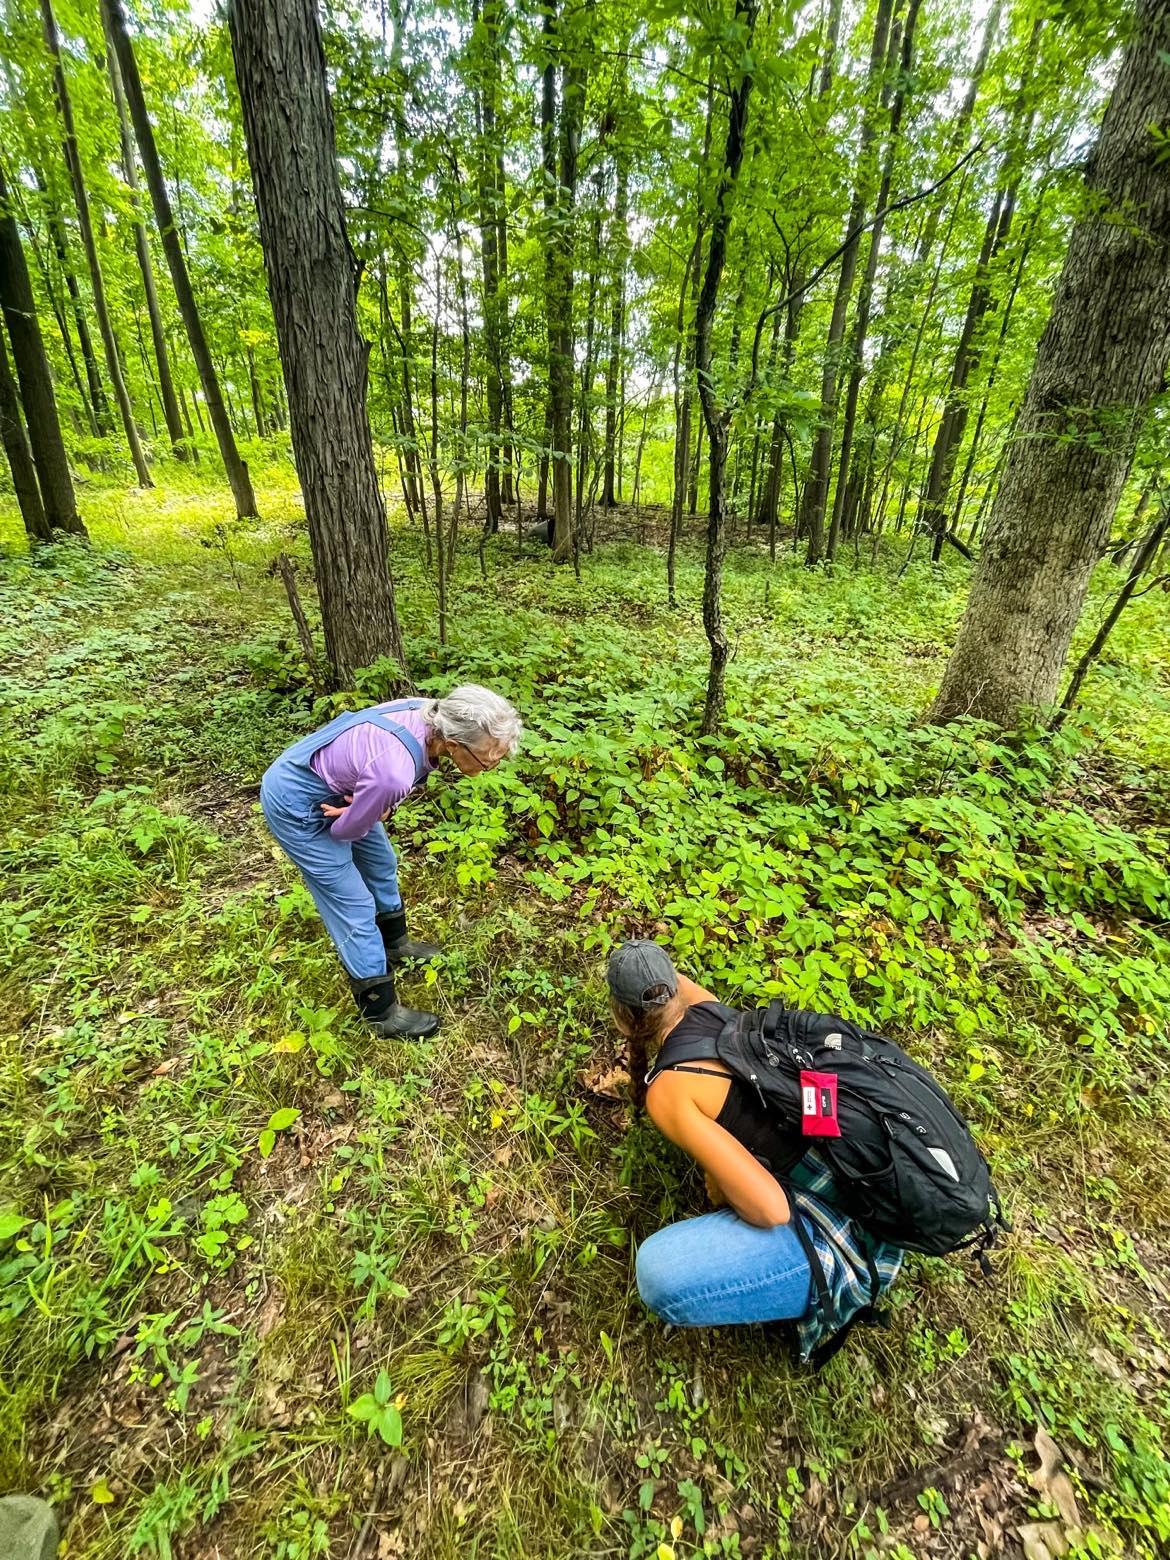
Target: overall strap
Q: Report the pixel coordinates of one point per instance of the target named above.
(301, 752)
(408, 739)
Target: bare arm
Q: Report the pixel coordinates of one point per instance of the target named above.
(730, 1170)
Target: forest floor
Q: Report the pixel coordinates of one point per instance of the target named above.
(245, 1248)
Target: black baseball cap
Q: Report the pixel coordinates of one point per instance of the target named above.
(636, 969)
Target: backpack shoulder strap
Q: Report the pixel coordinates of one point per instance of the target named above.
(690, 1048)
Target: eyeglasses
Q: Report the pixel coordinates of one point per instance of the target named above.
(471, 753)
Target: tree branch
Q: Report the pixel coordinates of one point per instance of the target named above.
(897, 205)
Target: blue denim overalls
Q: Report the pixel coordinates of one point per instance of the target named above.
(351, 881)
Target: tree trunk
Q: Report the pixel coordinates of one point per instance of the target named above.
(905, 57)
(1101, 361)
(993, 370)
(34, 378)
(236, 469)
(436, 479)
(406, 341)
(651, 401)
(793, 284)
(682, 417)
(696, 467)
(959, 126)
(486, 166)
(618, 247)
(542, 474)
(464, 382)
(97, 406)
(1146, 551)
(393, 397)
(162, 357)
(585, 412)
(897, 436)
(716, 419)
(312, 278)
(812, 518)
(72, 155)
(257, 396)
(20, 461)
(935, 512)
(509, 486)
(561, 191)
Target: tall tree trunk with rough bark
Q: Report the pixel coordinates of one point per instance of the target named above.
(20, 461)
(793, 282)
(618, 247)
(901, 52)
(561, 138)
(34, 378)
(312, 278)
(97, 406)
(936, 517)
(716, 418)
(684, 387)
(812, 518)
(1101, 361)
(682, 414)
(508, 484)
(486, 29)
(114, 16)
(162, 357)
(72, 153)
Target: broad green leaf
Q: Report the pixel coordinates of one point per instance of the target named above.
(389, 1425)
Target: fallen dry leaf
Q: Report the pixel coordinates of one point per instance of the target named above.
(1105, 1363)
(1043, 1540)
(1050, 1483)
(612, 1083)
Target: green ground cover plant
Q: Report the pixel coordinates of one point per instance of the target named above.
(271, 1287)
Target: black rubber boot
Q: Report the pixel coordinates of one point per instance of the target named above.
(386, 1016)
(399, 947)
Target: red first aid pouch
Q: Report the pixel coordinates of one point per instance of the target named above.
(818, 1105)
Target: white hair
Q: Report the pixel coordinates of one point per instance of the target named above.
(470, 714)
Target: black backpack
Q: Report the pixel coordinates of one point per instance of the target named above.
(905, 1165)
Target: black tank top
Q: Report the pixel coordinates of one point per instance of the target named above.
(743, 1114)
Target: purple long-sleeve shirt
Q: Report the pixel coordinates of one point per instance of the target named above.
(374, 767)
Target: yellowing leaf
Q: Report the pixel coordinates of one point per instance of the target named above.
(289, 1045)
(676, 1527)
(101, 1494)
(664, 1552)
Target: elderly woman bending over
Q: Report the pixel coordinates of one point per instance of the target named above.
(326, 800)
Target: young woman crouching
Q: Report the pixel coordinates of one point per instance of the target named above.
(749, 1261)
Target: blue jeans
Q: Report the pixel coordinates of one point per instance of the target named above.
(717, 1269)
(351, 881)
